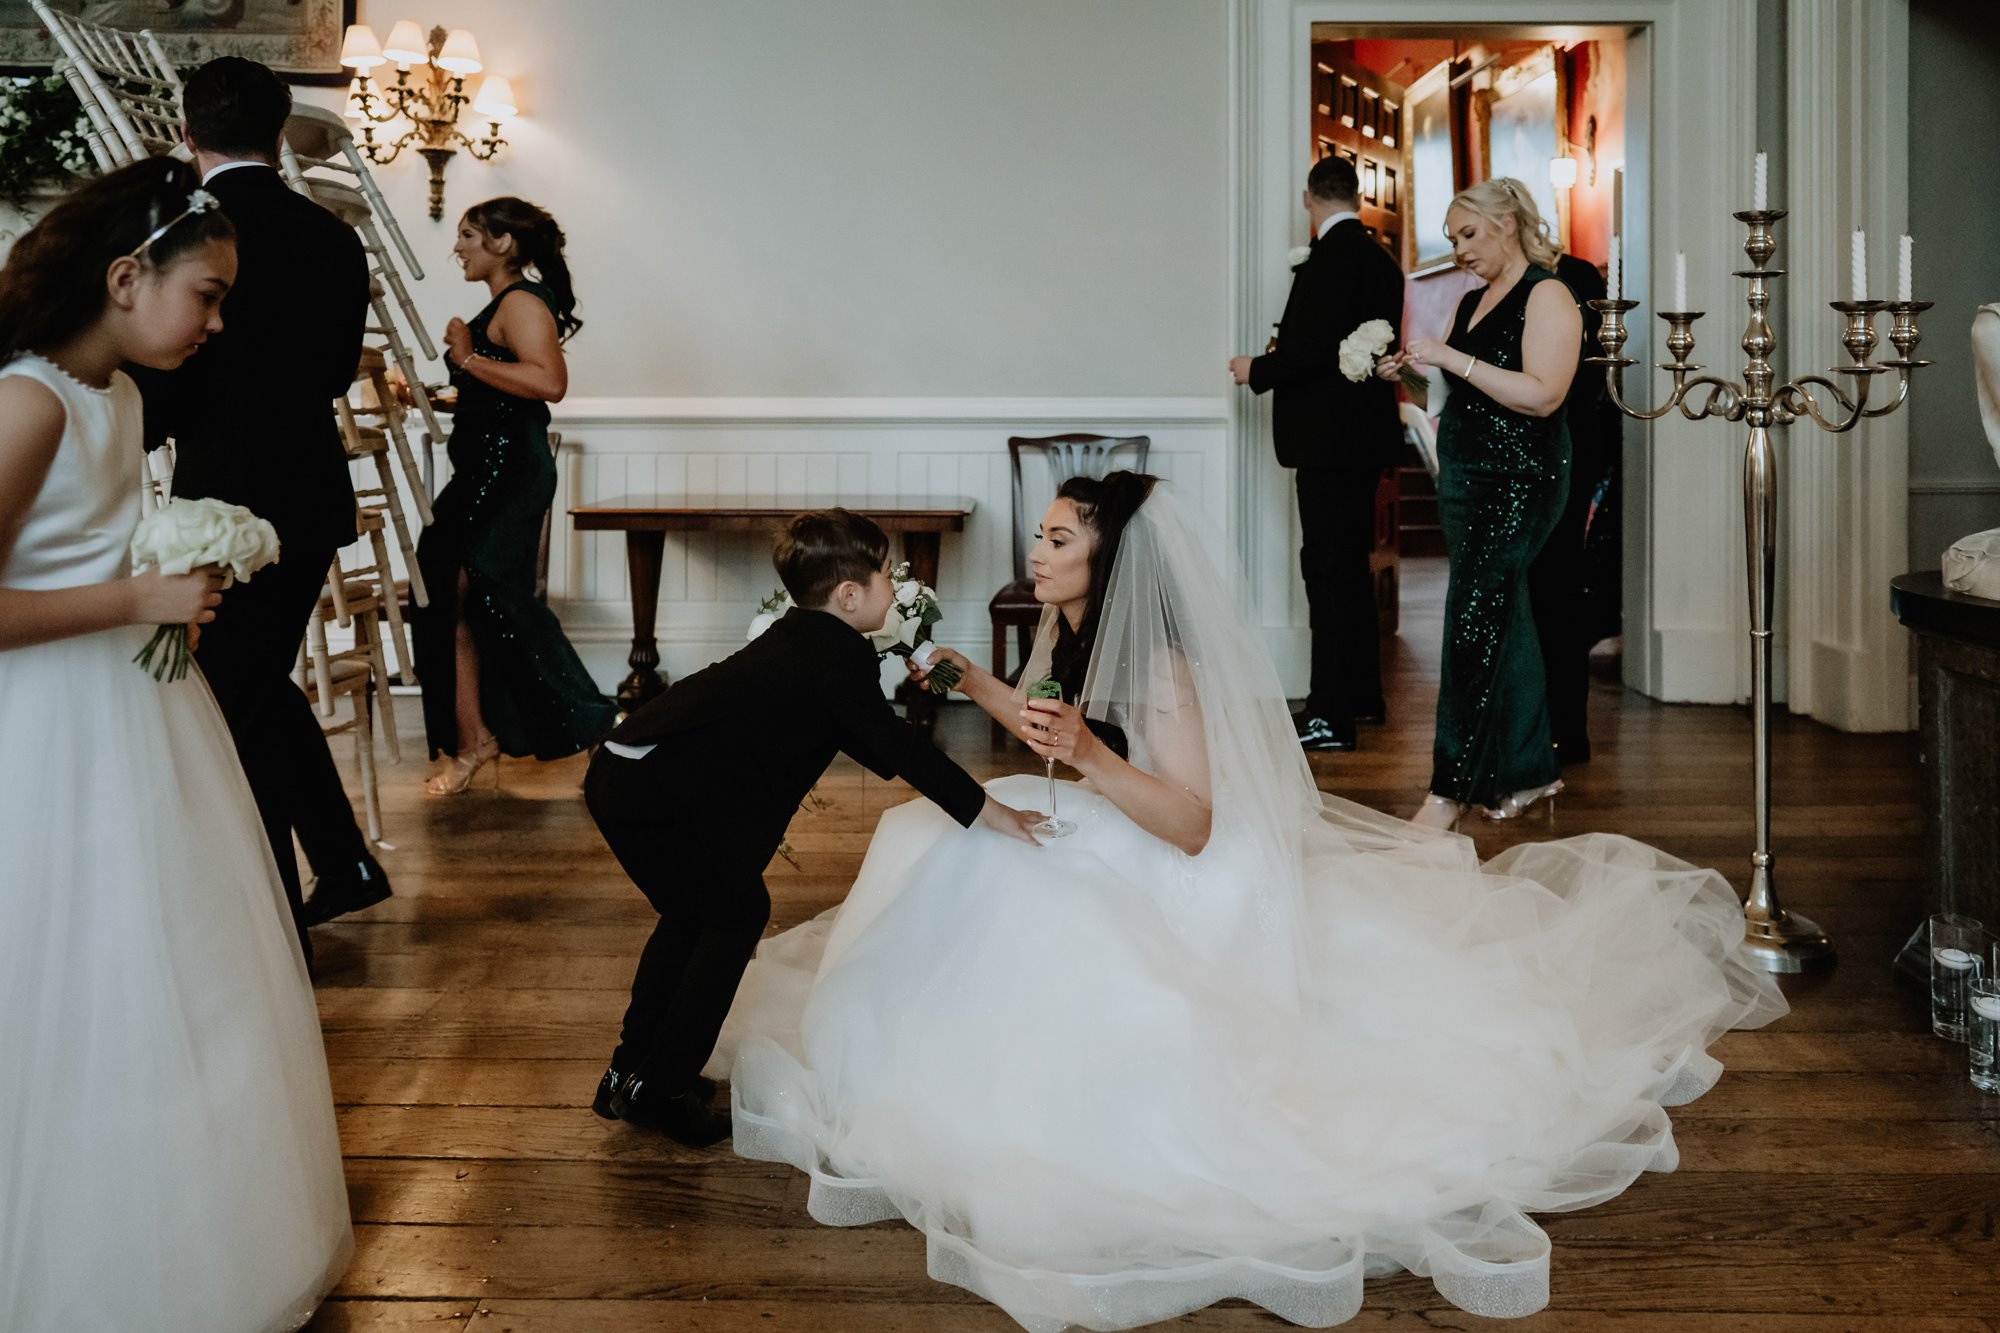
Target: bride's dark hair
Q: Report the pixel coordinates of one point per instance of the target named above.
(1105, 505)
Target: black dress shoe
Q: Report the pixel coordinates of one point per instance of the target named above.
(348, 889)
(1320, 733)
(607, 1087)
(1374, 716)
(607, 1091)
(684, 1116)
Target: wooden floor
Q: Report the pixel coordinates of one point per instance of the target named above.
(1843, 1175)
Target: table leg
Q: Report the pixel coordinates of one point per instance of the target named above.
(643, 554)
(921, 550)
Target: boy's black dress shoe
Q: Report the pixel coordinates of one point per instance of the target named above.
(1321, 733)
(348, 889)
(607, 1089)
(684, 1116)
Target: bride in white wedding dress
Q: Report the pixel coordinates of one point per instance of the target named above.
(168, 1155)
(1231, 1038)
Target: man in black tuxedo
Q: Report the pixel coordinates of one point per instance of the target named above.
(252, 423)
(694, 790)
(1339, 435)
(1555, 579)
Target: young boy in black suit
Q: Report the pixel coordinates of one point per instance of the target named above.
(694, 790)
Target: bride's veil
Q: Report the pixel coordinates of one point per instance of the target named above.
(1175, 666)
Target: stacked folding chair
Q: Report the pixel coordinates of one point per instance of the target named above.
(130, 91)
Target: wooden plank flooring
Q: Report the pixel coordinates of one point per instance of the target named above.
(1843, 1175)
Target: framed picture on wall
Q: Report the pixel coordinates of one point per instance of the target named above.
(298, 38)
(1524, 129)
(1433, 172)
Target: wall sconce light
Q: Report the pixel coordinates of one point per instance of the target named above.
(430, 103)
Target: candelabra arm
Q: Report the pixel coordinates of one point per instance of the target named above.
(1724, 399)
(1614, 386)
(1797, 397)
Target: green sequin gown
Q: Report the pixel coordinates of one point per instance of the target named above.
(1502, 476)
(534, 693)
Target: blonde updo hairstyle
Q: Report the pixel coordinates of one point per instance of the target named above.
(1505, 201)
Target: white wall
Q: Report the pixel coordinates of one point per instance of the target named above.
(1016, 212)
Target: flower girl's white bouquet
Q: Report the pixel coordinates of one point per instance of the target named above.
(907, 631)
(184, 535)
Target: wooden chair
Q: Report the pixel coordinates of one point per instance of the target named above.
(326, 677)
(377, 403)
(384, 498)
(317, 139)
(360, 596)
(129, 90)
(1064, 456)
(351, 206)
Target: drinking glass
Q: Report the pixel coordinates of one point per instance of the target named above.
(1052, 827)
(1956, 943)
(1982, 1030)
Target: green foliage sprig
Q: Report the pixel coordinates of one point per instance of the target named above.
(42, 136)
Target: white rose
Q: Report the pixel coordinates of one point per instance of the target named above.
(1356, 363)
(911, 628)
(760, 622)
(907, 592)
(1375, 335)
(891, 631)
(1298, 255)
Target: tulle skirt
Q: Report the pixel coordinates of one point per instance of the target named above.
(168, 1155)
(1073, 1070)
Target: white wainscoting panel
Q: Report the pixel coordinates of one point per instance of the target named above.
(819, 451)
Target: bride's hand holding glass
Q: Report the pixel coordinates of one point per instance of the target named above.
(1056, 730)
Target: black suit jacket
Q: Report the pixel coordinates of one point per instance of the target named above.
(740, 743)
(1320, 418)
(251, 413)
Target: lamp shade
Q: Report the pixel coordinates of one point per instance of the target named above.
(1562, 172)
(460, 53)
(359, 49)
(406, 44)
(496, 98)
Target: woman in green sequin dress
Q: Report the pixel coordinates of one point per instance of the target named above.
(498, 674)
(1503, 471)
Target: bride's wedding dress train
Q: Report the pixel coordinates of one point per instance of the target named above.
(1113, 1083)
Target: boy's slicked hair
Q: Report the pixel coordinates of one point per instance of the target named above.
(824, 548)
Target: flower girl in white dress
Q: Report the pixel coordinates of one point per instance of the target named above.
(168, 1156)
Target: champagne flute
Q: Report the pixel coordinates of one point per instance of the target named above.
(1051, 827)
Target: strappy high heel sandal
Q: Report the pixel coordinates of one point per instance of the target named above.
(459, 772)
(1439, 812)
(1518, 804)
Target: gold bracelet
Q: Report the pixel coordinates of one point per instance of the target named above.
(1470, 362)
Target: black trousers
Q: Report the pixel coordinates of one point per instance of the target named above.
(711, 916)
(247, 653)
(1555, 591)
(1337, 531)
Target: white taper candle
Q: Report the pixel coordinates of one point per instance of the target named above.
(1680, 281)
(1617, 279)
(1759, 196)
(1859, 266)
(1903, 271)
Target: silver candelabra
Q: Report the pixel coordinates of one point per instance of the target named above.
(1781, 941)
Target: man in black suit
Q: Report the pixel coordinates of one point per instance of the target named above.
(252, 423)
(694, 790)
(1339, 435)
(1555, 579)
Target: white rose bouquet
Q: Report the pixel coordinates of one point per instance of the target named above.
(768, 612)
(1361, 349)
(184, 535)
(907, 631)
